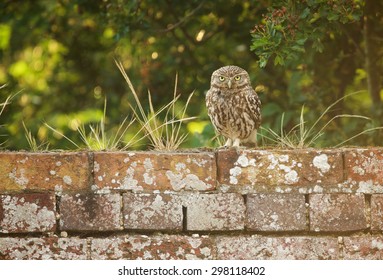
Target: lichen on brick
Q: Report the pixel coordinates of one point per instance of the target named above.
(27, 213)
(321, 162)
(50, 248)
(152, 211)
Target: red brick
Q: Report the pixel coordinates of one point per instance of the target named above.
(214, 212)
(27, 213)
(154, 171)
(363, 248)
(277, 248)
(377, 212)
(40, 172)
(337, 212)
(276, 212)
(364, 169)
(152, 211)
(88, 212)
(278, 170)
(161, 247)
(45, 248)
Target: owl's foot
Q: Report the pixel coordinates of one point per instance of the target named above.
(228, 143)
(236, 143)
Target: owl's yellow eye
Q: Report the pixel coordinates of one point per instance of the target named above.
(237, 78)
(221, 78)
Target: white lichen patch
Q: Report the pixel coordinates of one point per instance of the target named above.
(234, 173)
(20, 179)
(129, 182)
(153, 211)
(321, 162)
(183, 179)
(96, 167)
(32, 248)
(67, 180)
(58, 190)
(25, 216)
(283, 163)
(376, 244)
(291, 177)
(244, 161)
(149, 177)
(215, 212)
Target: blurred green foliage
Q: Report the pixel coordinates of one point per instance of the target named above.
(59, 57)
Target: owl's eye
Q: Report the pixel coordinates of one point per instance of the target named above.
(221, 78)
(237, 78)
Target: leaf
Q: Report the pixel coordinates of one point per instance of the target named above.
(279, 60)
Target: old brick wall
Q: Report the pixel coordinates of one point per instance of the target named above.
(226, 204)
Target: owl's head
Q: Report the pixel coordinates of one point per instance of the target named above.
(230, 77)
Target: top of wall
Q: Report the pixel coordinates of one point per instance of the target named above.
(297, 171)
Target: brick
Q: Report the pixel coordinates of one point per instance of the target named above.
(363, 248)
(27, 213)
(364, 169)
(277, 248)
(90, 212)
(152, 211)
(20, 172)
(377, 212)
(45, 248)
(162, 247)
(154, 171)
(276, 212)
(213, 212)
(278, 170)
(337, 212)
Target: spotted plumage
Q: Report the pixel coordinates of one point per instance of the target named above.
(233, 105)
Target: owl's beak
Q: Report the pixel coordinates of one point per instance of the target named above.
(229, 83)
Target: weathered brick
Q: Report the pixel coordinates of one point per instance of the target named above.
(337, 212)
(27, 213)
(276, 212)
(154, 171)
(40, 172)
(377, 212)
(45, 248)
(152, 211)
(214, 212)
(363, 248)
(86, 212)
(161, 247)
(364, 169)
(278, 170)
(277, 248)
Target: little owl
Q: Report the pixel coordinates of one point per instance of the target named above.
(233, 106)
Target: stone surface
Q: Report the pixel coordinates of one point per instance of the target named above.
(337, 212)
(152, 211)
(278, 170)
(276, 212)
(364, 169)
(27, 213)
(363, 248)
(215, 212)
(140, 171)
(89, 212)
(60, 172)
(377, 212)
(44, 248)
(277, 248)
(161, 247)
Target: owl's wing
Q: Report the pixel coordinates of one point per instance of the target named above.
(254, 105)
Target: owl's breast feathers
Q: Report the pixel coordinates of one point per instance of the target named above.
(234, 113)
